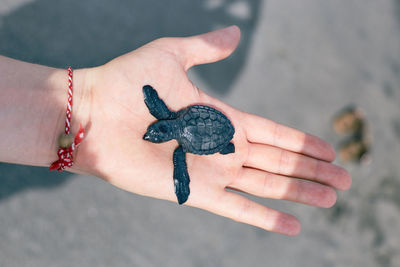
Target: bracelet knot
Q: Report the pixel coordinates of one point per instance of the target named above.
(65, 157)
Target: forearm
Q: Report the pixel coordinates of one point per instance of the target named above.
(33, 101)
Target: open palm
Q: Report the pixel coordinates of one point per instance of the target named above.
(271, 160)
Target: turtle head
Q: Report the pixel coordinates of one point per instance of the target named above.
(158, 132)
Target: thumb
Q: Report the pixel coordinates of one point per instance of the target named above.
(208, 47)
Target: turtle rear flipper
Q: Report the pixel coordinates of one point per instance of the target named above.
(230, 148)
(155, 105)
(181, 176)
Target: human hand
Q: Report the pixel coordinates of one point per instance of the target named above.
(271, 160)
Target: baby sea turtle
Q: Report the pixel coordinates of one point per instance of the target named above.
(199, 129)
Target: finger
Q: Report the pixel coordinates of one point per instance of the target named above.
(242, 209)
(269, 185)
(281, 161)
(261, 130)
(208, 47)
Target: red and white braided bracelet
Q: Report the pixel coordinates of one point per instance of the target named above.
(67, 144)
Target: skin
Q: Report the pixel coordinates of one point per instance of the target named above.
(271, 160)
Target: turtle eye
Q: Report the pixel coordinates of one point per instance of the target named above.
(163, 128)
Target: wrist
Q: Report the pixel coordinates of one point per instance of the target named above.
(33, 101)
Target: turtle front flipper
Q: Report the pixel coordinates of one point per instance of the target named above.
(155, 104)
(181, 175)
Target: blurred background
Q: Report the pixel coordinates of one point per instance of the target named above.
(298, 63)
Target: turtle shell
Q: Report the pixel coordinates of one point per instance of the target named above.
(203, 130)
